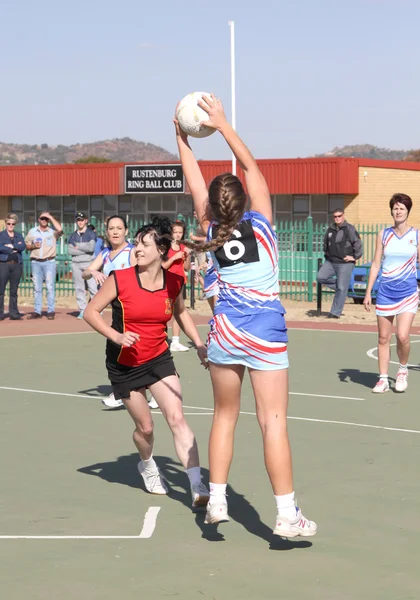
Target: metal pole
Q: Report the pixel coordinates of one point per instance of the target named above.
(319, 293)
(192, 281)
(232, 83)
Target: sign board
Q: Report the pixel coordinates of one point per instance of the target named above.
(154, 179)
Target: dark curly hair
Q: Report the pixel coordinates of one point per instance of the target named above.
(401, 199)
(161, 230)
(226, 205)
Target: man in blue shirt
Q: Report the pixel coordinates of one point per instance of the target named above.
(41, 241)
(81, 246)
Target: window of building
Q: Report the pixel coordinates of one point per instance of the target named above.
(335, 202)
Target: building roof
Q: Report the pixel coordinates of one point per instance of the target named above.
(322, 175)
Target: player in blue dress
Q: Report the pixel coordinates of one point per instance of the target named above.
(248, 329)
(211, 283)
(397, 252)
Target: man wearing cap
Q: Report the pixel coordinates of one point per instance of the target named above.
(41, 242)
(81, 247)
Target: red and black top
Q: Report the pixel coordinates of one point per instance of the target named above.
(178, 265)
(144, 312)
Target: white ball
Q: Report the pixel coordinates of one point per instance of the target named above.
(190, 115)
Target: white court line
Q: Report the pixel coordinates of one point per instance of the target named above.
(13, 389)
(242, 412)
(28, 335)
(149, 523)
(148, 528)
(371, 354)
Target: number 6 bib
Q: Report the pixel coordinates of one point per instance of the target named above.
(241, 246)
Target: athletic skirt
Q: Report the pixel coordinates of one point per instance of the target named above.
(387, 306)
(211, 285)
(230, 342)
(126, 379)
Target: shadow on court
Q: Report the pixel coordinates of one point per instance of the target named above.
(124, 471)
(99, 390)
(364, 378)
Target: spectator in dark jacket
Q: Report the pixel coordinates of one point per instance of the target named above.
(342, 247)
(12, 245)
(81, 245)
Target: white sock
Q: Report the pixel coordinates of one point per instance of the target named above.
(402, 367)
(217, 491)
(384, 377)
(175, 338)
(286, 505)
(194, 475)
(149, 464)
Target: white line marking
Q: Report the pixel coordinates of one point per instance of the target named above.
(242, 412)
(372, 351)
(149, 523)
(13, 389)
(69, 537)
(148, 528)
(26, 335)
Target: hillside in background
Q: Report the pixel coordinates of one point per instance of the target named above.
(117, 150)
(369, 151)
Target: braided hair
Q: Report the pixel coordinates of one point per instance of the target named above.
(226, 204)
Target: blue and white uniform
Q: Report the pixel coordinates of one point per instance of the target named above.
(398, 292)
(248, 327)
(211, 284)
(120, 260)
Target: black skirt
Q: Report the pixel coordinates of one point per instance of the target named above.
(126, 379)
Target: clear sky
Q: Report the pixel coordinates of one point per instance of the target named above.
(310, 75)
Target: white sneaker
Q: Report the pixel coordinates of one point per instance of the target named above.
(200, 495)
(152, 402)
(154, 481)
(402, 380)
(299, 526)
(110, 402)
(381, 387)
(216, 511)
(178, 347)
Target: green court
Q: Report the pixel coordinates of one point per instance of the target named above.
(75, 521)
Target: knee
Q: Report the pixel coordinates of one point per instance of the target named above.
(384, 340)
(144, 429)
(176, 420)
(403, 339)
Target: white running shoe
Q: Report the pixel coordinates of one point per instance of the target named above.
(381, 387)
(178, 347)
(151, 401)
(110, 402)
(200, 495)
(402, 380)
(299, 526)
(154, 481)
(216, 512)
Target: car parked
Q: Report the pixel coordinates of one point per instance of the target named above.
(359, 280)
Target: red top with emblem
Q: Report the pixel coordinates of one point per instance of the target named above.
(144, 312)
(178, 265)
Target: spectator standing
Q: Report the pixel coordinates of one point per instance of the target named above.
(342, 247)
(81, 247)
(41, 242)
(12, 245)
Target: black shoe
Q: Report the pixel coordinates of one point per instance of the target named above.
(51, 316)
(331, 316)
(35, 315)
(16, 318)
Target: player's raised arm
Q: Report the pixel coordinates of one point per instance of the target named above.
(193, 176)
(255, 182)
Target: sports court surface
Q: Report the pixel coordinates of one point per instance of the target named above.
(75, 521)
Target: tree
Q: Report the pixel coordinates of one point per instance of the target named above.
(92, 159)
(413, 156)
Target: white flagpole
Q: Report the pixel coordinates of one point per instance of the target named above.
(232, 80)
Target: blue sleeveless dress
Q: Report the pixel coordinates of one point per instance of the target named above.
(248, 327)
(398, 292)
(120, 260)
